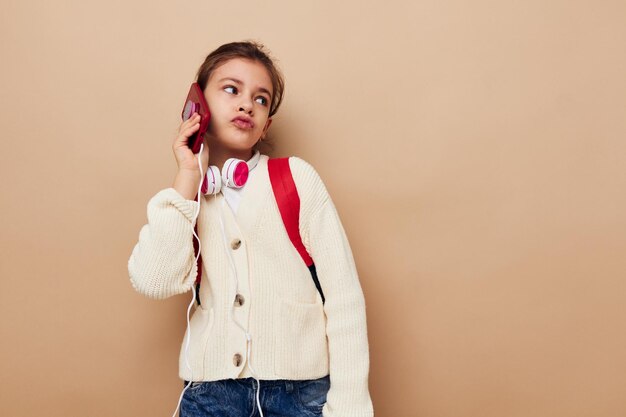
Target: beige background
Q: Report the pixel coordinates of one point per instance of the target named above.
(475, 152)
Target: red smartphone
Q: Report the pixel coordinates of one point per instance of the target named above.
(196, 103)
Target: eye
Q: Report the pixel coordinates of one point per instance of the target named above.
(261, 100)
(230, 89)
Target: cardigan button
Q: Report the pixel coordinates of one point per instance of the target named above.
(239, 300)
(235, 244)
(237, 359)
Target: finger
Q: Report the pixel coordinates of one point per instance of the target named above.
(183, 137)
(186, 123)
(189, 131)
(193, 118)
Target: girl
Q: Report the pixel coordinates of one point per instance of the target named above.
(262, 340)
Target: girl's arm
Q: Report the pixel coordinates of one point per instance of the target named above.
(163, 261)
(162, 264)
(346, 326)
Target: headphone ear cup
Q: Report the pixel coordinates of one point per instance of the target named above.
(235, 173)
(212, 183)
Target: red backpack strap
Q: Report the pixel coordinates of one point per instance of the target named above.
(198, 264)
(288, 200)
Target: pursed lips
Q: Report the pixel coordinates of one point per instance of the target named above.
(243, 123)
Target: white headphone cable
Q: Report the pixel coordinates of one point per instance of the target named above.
(230, 311)
(193, 286)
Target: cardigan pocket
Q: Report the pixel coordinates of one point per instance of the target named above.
(301, 346)
(201, 327)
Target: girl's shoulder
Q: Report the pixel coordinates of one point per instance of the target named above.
(300, 169)
(303, 168)
(311, 188)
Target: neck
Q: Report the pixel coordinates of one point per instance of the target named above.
(217, 156)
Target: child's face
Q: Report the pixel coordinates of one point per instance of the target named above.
(239, 94)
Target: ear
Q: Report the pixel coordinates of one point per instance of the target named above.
(266, 127)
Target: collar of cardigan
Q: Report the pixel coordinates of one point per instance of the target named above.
(252, 162)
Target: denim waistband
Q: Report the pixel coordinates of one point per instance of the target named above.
(252, 383)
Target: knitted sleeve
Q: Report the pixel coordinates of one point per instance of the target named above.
(162, 263)
(346, 325)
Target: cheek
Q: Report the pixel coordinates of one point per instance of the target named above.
(217, 122)
(218, 115)
(258, 128)
(217, 102)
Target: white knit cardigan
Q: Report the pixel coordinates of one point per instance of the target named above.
(294, 335)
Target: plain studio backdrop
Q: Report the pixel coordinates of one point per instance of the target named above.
(475, 152)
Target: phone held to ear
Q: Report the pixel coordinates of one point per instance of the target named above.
(196, 103)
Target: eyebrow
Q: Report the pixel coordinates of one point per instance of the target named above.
(263, 90)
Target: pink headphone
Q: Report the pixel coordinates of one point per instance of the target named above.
(234, 175)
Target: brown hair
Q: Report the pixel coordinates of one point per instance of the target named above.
(248, 50)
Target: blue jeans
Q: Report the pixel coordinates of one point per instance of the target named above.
(237, 398)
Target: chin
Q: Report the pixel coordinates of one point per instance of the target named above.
(245, 141)
(233, 141)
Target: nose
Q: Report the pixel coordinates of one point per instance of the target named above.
(246, 105)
